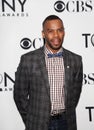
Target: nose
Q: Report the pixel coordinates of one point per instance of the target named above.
(55, 33)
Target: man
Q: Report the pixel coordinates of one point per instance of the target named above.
(48, 82)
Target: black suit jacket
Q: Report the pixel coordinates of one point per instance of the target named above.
(32, 89)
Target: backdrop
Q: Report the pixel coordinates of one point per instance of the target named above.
(20, 32)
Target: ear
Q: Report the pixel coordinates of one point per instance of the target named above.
(43, 35)
(64, 33)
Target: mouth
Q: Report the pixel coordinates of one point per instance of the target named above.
(56, 41)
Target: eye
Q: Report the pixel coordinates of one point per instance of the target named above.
(59, 6)
(50, 31)
(61, 30)
(25, 43)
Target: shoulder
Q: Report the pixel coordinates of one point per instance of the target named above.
(75, 60)
(32, 54)
(72, 54)
(31, 57)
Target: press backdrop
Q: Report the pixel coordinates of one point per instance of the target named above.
(20, 32)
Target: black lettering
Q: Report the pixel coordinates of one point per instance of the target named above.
(84, 79)
(11, 6)
(6, 89)
(22, 4)
(68, 6)
(38, 41)
(1, 78)
(0, 89)
(88, 5)
(3, 14)
(91, 78)
(86, 39)
(8, 14)
(92, 39)
(6, 76)
(90, 112)
(80, 5)
(10, 89)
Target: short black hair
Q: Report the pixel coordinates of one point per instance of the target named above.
(51, 17)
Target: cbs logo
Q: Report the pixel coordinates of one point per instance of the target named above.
(59, 6)
(27, 43)
(73, 6)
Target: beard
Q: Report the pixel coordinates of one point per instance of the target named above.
(53, 47)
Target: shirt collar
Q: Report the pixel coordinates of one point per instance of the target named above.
(46, 51)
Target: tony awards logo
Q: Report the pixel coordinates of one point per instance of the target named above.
(13, 8)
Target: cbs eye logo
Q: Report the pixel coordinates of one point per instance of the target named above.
(59, 6)
(25, 43)
(36, 43)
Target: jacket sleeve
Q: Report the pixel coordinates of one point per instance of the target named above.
(21, 88)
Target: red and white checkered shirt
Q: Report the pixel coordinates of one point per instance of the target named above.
(55, 68)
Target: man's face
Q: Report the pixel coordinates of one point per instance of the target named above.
(53, 32)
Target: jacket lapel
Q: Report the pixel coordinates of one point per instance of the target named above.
(66, 63)
(44, 70)
(67, 73)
